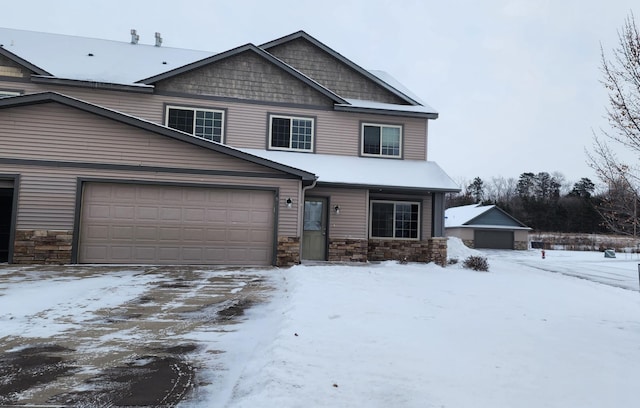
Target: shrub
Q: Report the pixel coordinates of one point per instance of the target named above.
(452, 261)
(477, 263)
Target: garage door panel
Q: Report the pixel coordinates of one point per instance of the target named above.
(167, 224)
(493, 239)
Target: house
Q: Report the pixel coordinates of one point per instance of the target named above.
(121, 152)
(486, 226)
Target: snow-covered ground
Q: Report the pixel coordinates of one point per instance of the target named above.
(557, 332)
(393, 335)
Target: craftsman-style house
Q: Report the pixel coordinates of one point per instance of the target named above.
(120, 152)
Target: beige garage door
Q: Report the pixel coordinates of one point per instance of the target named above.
(129, 223)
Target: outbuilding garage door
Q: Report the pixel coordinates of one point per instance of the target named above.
(129, 223)
(493, 239)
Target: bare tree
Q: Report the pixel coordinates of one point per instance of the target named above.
(621, 78)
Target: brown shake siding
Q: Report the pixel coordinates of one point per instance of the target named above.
(246, 123)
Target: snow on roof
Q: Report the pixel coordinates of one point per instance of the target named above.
(90, 59)
(357, 103)
(458, 216)
(365, 171)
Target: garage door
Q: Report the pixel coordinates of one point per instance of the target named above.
(493, 239)
(129, 223)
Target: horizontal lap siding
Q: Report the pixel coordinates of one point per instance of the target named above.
(427, 217)
(351, 223)
(246, 123)
(47, 195)
(67, 134)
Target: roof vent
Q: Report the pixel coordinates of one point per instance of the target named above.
(134, 36)
(158, 40)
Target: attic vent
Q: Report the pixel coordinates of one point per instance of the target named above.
(134, 36)
(158, 40)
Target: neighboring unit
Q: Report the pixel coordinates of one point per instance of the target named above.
(486, 226)
(116, 152)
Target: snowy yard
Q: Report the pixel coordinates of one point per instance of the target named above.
(526, 334)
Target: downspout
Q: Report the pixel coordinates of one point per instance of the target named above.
(301, 212)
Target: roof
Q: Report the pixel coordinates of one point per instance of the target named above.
(365, 171)
(91, 59)
(465, 216)
(49, 97)
(385, 84)
(81, 61)
(260, 53)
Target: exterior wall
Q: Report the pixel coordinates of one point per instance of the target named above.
(431, 250)
(245, 76)
(43, 246)
(330, 72)
(11, 69)
(465, 234)
(351, 223)
(521, 240)
(348, 250)
(247, 123)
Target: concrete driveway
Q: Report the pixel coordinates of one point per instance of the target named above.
(115, 335)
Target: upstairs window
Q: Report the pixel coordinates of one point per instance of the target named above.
(381, 140)
(6, 94)
(291, 133)
(394, 219)
(203, 123)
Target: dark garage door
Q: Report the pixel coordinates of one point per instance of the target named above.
(493, 239)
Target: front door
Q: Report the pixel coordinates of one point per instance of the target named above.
(314, 235)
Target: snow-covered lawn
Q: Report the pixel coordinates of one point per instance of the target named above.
(559, 332)
(392, 335)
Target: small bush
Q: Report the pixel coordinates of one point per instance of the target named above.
(477, 263)
(452, 261)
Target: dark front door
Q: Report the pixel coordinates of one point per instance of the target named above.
(314, 234)
(6, 205)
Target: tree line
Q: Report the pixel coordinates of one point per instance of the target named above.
(542, 201)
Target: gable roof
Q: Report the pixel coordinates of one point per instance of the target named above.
(368, 172)
(238, 50)
(90, 59)
(411, 99)
(54, 97)
(466, 215)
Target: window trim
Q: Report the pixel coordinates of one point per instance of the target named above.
(194, 109)
(395, 203)
(270, 118)
(5, 93)
(382, 125)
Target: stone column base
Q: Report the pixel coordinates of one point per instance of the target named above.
(42, 247)
(288, 252)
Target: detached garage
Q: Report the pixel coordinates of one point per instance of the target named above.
(486, 227)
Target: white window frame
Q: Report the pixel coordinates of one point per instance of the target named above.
(8, 94)
(381, 125)
(292, 118)
(194, 110)
(395, 203)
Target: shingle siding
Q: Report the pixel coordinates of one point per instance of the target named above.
(245, 76)
(331, 73)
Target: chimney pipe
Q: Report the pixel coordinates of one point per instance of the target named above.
(134, 36)
(158, 40)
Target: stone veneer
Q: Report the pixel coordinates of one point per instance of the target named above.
(521, 245)
(348, 250)
(42, 246)
(288, 252)
(431, 250)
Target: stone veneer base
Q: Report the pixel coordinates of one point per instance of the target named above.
(42, 247)
(348, 250)
(431, 250)
(288, 252)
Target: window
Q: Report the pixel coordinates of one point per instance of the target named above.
(204, 123)
(6, 94)
(291, 133)
(394, 219)
(381, 140)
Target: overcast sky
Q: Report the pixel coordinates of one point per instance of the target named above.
(516, 82)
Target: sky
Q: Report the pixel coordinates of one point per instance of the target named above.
(516, 82)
